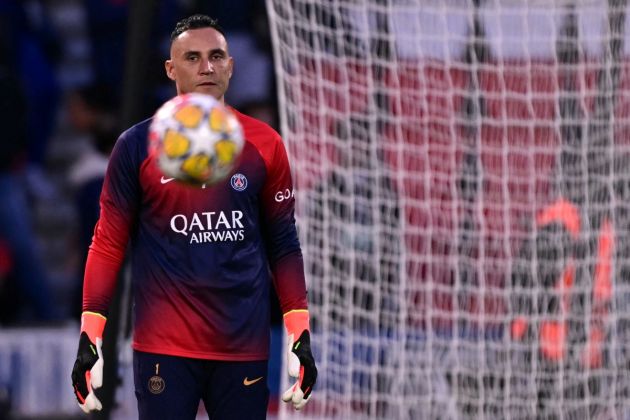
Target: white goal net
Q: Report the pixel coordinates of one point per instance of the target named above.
(462, 176)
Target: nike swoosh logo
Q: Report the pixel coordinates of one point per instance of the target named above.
(166, 180)
(248, 382)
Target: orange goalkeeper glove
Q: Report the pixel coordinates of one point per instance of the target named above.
(87, 373)
(301, 363)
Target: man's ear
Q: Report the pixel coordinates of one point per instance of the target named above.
(231, 66)
(169, 67)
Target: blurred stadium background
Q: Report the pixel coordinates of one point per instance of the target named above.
(462, 184)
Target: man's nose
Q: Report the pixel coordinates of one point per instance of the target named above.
(206, 67)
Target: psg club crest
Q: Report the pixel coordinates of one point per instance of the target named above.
(238, 182)
(156, 383)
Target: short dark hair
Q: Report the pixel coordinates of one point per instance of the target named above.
(195, 22)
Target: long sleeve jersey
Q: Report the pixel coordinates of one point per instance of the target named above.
(202, 258)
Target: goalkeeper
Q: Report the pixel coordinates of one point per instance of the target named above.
(201, 308)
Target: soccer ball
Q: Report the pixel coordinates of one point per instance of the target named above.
(195, 139)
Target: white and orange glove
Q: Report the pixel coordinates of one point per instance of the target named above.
(87, 373)
(300, 361)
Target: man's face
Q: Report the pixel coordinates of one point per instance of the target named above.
(200, 63)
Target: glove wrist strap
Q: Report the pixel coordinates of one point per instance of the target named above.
(296, 321)
(93, 324)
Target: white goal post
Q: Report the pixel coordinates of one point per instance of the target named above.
(462, 177)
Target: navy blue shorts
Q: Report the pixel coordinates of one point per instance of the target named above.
(170, 387)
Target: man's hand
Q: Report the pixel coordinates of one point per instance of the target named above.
(301, 363)
(87, 373)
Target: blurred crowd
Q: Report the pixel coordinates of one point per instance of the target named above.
(63, 65)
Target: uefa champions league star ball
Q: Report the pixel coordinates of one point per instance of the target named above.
(196, 139)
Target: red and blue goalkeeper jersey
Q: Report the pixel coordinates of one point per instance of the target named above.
(202, 258)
